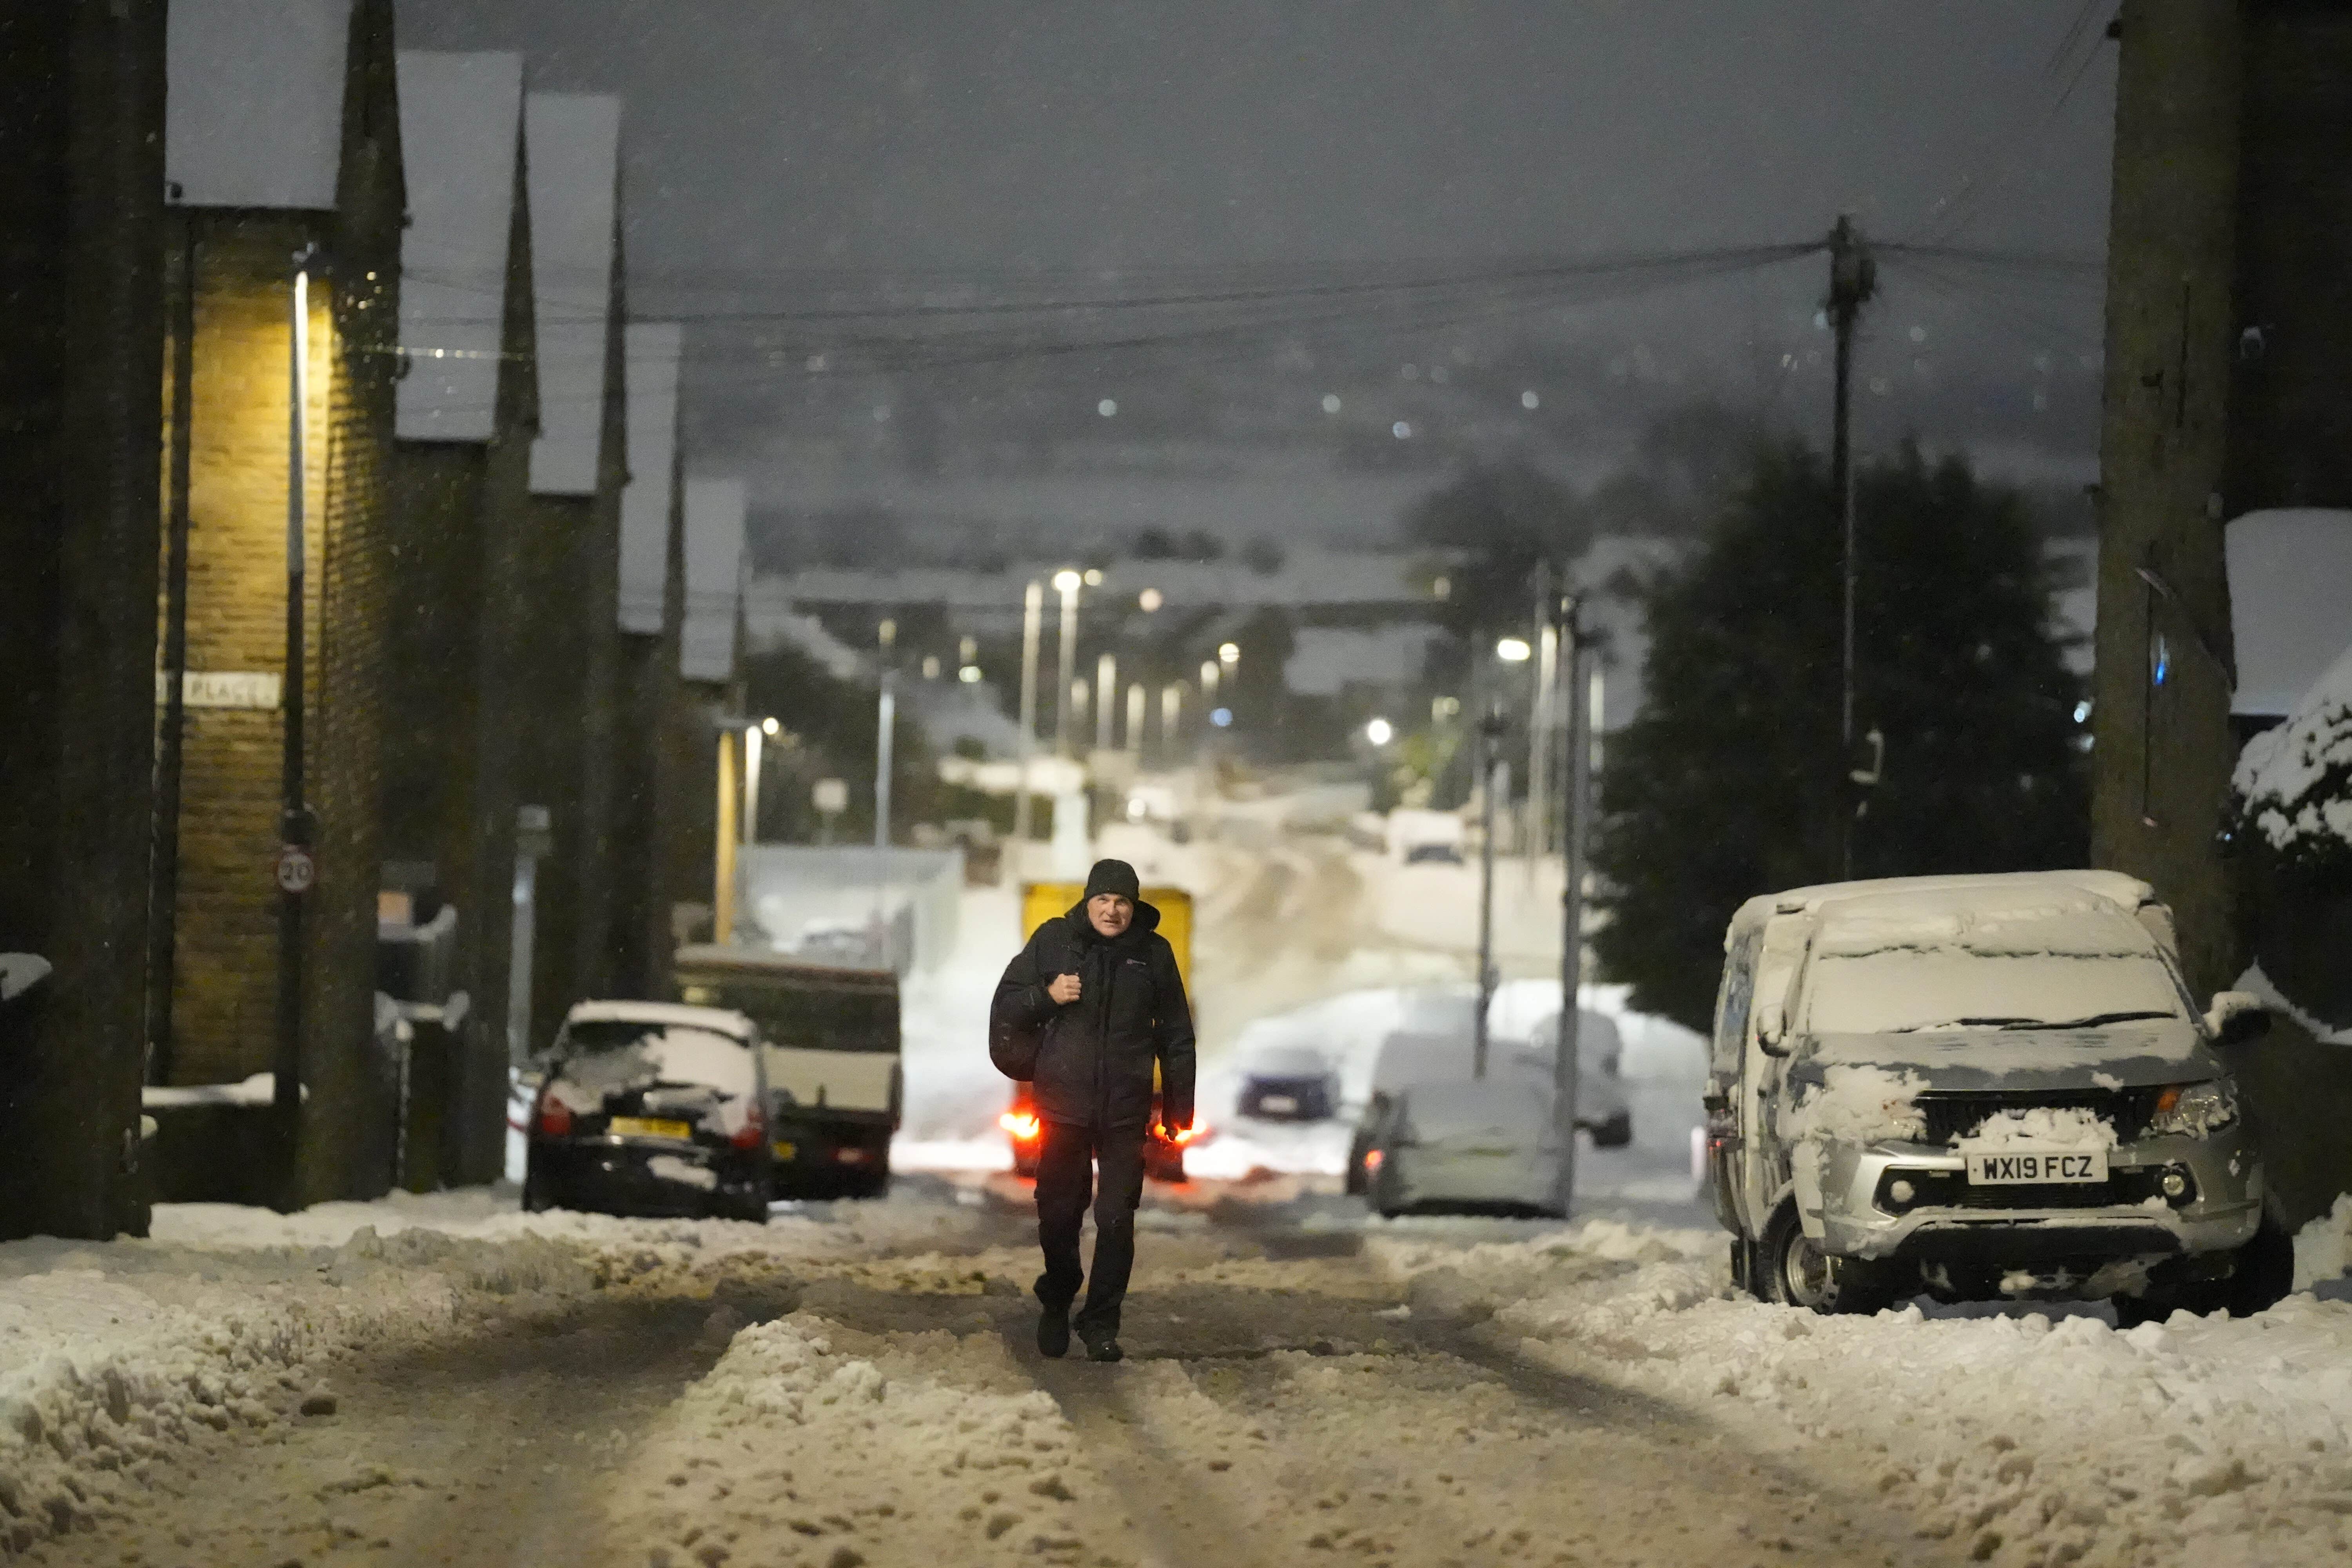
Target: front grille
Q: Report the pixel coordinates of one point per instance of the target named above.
(1952, 1189)
(1951, 1116)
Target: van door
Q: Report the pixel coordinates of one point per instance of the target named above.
(1764, 1164)
(1732, 1004)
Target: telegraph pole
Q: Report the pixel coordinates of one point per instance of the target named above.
(1854, 278)
(1576, 790)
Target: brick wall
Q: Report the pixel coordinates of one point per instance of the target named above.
(81, 103)
(224, 987)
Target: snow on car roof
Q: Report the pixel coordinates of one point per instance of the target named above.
(253, 111)
(1993, 890)
(669, 1014)
(714, 578)
(2290, 580)
(575, 146)
(2283, 774)
(653, 348)
(459, 128)
(2037, 919)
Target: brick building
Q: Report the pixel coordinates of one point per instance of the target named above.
(282, 137)
(566, 669)
(468, 415)
(81, 114)
(645, 786)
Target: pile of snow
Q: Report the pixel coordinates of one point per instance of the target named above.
(2323, 1250)
(2020, 1437)
(2041, 1127)
(2294, 782)
(112, 1356)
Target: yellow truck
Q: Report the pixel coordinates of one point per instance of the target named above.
(1163, 1158)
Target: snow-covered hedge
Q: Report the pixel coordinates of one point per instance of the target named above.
(2294, 782)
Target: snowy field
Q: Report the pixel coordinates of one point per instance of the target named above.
(851, 1385)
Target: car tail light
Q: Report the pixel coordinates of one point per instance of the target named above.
(850, 1155)
(1373, 1158)
(753, 1132)
(1186, 1134)
(554, 1117)
(1020, 1123)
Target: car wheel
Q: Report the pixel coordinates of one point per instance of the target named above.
(1798, 1273)
(536, 1196)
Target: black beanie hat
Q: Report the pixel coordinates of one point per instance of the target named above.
(1113, 877)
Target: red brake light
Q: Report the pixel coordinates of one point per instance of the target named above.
(1373, 1158)
(1186, 1134)
(754, 1131)
(1020, 1123)
(554, 1117)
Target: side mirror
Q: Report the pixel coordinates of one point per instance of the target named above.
(2237, 1017)
(1772, 1031)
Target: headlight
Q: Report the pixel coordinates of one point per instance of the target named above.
(2196, 1109)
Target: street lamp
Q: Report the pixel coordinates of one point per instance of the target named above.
(1229, 653)
(1067, 581)
(1106, 700)
(1512, 650)
(1379, 731)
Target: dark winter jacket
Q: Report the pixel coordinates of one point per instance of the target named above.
(1095, 1055)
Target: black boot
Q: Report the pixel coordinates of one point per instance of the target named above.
(1101, 1345)
(1053, 1329)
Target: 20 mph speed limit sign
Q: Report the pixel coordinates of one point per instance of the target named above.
(295, 869)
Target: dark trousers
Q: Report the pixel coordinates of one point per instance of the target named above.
(1066, 1182)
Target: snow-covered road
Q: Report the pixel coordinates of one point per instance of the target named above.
(855, 1386)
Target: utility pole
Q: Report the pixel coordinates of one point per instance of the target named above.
(1492, 727)
(1854, 279)
(1106, 703)
(1576, 793)
(1032, 616)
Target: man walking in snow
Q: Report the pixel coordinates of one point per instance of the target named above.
(1085, 1012)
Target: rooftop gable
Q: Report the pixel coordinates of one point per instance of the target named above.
(460, 124)
(653, 348)
(573, 144)
(254, 103)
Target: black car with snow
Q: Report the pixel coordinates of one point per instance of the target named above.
(1984, 1087)
(652, 1108)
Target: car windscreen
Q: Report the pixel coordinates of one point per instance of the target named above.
(1900, 990)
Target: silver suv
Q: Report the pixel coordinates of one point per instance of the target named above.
(1985, 1087)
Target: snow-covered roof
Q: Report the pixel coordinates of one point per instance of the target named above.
(2296, 780)
(459, 121)
(653, 348)
(573, 143)
(2042, 917)
(253, 106)
(2290, 602)
(669, 1014)
(714, 578)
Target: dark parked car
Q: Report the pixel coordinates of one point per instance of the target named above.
(1289, 1083)
(652, 1108)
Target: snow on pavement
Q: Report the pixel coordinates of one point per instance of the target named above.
(2021, 1437)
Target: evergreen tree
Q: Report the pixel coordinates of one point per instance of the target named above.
(1732, 781)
